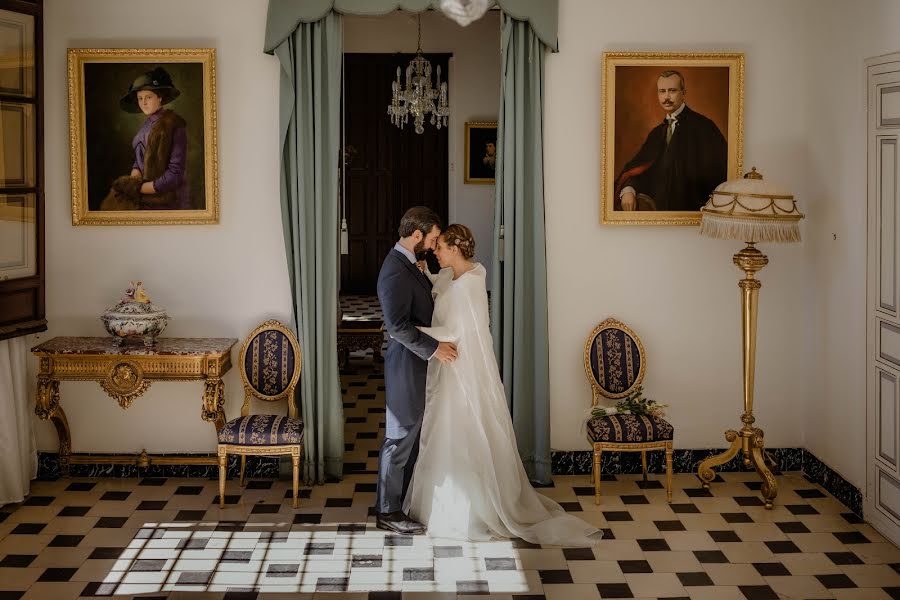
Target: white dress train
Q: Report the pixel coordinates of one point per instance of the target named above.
(469, 482)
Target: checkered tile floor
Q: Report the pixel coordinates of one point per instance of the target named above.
(360, 307)
(168, 538)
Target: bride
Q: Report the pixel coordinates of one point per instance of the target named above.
(469, 482)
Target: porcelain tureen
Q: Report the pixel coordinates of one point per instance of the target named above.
(135, 317)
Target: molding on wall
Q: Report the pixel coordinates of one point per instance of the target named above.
(571, 462)
(257, 467)
(578, 462)
(818, 472)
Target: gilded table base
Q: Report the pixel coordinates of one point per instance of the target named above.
(125, 373)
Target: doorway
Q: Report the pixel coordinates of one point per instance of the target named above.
(882, 507)
(386, 169)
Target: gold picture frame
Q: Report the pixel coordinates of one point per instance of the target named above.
(116, 150)
(637, 187)
(481, 152)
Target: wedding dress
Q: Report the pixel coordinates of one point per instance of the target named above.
(468, 481)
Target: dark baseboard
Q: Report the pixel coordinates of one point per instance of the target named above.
(571, 462)
(257, 467)
(818, 472)
(578, 462)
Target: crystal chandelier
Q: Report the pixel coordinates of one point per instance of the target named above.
(418, 97)
(465, 11)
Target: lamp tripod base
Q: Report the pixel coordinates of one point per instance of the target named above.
(749, 441)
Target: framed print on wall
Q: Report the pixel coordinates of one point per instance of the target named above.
(672, 132)
(142, 136)
(481, 152)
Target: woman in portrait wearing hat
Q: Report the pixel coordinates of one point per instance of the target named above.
(158, 178)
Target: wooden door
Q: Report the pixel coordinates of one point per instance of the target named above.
(387, 169)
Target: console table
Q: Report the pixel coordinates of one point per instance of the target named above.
(359, 334)
(126, 372)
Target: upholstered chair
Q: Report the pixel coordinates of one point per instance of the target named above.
(615, 363)
(270, 368)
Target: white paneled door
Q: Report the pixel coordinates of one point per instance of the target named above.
(882, 508)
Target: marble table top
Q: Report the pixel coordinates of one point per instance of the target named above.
(163, 347)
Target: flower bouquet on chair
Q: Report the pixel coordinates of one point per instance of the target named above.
(633, 404)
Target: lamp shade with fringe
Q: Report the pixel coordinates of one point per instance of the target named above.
(752, 210)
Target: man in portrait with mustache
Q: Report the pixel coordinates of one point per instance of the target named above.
(680, 163)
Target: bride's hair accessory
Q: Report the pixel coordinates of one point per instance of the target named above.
(460, 236)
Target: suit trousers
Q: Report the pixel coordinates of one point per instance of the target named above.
(396, 462)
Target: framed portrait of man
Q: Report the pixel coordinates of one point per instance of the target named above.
(672, 132)
(142, 136)
(481, 152)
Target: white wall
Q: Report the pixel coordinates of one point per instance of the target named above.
(679, 291)
(804, 125)
(214, 280)
(219, 280)
(474, 93)
(835, 421)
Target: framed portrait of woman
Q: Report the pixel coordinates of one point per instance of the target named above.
(142, 136)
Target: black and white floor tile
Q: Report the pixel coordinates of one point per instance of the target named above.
(157, 537)
(360, 307)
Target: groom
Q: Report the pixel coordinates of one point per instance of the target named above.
(405, 296)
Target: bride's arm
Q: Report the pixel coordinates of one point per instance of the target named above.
(441, 333)
(423, 266)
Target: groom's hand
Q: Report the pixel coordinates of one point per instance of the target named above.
(446, 352)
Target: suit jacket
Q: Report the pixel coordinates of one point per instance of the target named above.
(682, 174)
(405, 297)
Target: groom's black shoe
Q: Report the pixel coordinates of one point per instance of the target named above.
(398, 522)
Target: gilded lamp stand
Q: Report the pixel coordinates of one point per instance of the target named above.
(751, 210)
(749, 440)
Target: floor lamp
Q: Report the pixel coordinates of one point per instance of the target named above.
(751, 210)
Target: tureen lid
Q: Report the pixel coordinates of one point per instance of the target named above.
(135, 303)
(134, 309)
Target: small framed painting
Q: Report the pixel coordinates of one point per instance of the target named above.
(481, 152)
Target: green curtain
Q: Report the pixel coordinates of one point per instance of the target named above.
(519, 283)
(284, 15)
(310, 124)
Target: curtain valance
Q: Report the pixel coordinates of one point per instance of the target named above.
(285, 15)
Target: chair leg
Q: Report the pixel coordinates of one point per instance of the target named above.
(669, 473)
(243, 468)
(597, 453)
(296, 463)
(223, 469)
(644, 463)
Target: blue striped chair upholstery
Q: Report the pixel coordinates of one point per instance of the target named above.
(614, 362)
(270, 368)
(262, 430)
(629, 428)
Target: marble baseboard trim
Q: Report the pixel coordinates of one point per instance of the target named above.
(578, 462)
(262, 467)
(818, 472)
(571, 462)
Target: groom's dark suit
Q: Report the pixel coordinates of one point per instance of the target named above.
(405, 296)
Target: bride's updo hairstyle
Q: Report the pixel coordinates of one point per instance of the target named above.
(461, 237)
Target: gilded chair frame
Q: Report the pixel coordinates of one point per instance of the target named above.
(598, 392)
(294, 450)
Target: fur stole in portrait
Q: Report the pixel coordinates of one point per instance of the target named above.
(125, 191)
